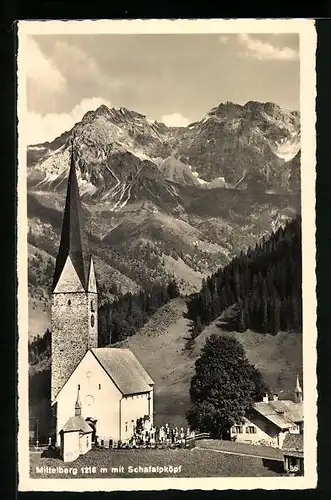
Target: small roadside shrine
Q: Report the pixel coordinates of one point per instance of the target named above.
(293, 454)
(76, 435)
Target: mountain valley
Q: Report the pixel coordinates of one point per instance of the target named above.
(163, 201)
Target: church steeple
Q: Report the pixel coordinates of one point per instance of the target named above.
(74, 313)
(298, 391)
(73, 237)
(78, 406)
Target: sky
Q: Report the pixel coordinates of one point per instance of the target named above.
(173, 78)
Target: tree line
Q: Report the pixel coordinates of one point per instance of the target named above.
(127, 313)
(39, 348)
(118, 319)
(259, 289)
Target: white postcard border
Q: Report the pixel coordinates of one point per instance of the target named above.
(306, 29)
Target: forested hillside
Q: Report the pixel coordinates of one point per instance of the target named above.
(260, 289)
(129, 312)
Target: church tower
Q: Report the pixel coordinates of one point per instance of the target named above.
(298, 392)
(74, 313)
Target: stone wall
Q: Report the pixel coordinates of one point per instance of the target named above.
(72, 334)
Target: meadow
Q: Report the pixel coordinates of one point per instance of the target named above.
(195, 462)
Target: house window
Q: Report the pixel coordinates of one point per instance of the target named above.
(238, 429)
(251, 429)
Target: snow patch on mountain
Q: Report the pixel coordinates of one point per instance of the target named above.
(287, 150)
(55, 164)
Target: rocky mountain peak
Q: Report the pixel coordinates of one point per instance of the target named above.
(232, 146)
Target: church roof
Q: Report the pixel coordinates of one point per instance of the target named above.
(73, 237)
(124, 369)
(75, 424)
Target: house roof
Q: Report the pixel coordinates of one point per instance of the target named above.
(124, 369)
(77, 423)
(73, 236)
(294, 411)
(283, 413)
(293, 443)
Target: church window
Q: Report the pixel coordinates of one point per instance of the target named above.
(126, 427)
(89, 400)
(92, 306)
(92, 320)
(99, 386)
(78, 386)
(69, 302)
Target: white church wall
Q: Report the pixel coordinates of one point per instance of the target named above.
(98, 395)
(71, 449)
(85, 443)
(132, 408)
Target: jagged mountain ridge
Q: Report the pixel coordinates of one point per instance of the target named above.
(157, 202)
(246, 145)
(238, 146)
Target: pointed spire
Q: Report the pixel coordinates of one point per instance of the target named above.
(78, 406)
(298, 386)
(73, 237)
(298, 391)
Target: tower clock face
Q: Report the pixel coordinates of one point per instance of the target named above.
(92, 320)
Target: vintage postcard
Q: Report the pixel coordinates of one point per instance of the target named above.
(166, 255)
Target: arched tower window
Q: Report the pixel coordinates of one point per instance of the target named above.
(69, 302)
(92, 306)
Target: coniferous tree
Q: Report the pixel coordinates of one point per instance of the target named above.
(263, 283)
(122, 317)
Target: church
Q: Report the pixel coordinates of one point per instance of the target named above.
(97, 393)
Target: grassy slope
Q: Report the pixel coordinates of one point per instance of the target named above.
(160, 344)
(189, 279)
(278, 357)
